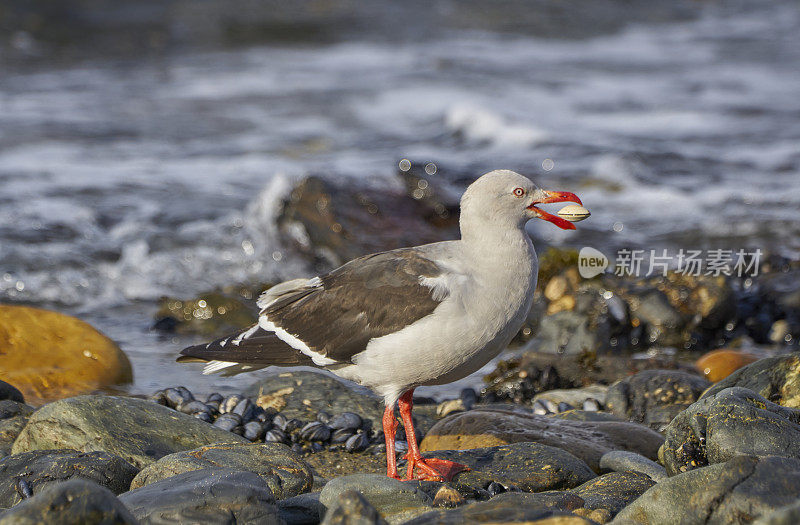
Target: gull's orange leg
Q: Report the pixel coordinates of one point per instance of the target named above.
(431, 469)
(389, 430)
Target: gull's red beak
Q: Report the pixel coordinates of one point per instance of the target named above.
(555, 196)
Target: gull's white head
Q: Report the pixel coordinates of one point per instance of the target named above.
(506, 198)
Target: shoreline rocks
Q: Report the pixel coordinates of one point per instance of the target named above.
(210, 495)
(588, 440)
(136, 430)
(41, 469)
(284, 472)
(732, 422)
(731, 492)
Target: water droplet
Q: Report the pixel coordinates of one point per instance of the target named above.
(548, 164)
(277, 256)
(201, 303)
(430, 168)
(336, 227)
(247, 246)
(405, 165)
(422, 184)
(19, 286)
(617, 227)
(608, 294)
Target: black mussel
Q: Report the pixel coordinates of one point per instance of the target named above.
(275, 436)
(357, 443)
(214, 397)
(192, 407)
(158, 397)
(341, 435)
(229, 403)
(315, 431)
(245, 409)
(253, 431)
(324, 417)
(279, 420)
(226, 423)
(349, 420)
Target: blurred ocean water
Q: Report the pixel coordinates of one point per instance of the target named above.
(125, 177)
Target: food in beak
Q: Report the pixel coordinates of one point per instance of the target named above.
(574, 213)
(555, 196)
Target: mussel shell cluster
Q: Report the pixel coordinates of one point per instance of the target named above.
(239, 414)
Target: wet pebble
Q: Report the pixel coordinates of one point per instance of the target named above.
(469, 397)
(591, 405)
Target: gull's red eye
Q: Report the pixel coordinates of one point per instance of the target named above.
(519, 192)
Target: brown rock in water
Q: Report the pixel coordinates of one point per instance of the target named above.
(48, 355)
(339, 224)
(719, 364)
(588, 440)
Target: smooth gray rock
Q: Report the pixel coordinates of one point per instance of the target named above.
(283, 470)
(528, 466)
(736, 491)
(138, 431)
(622, 461)
(613, 492)
(587, 440)
(351, 508)
(788, 515)
(214, 495)
(72, 502)
(13, 418)
(654, 397)
(389, 496)
(42, 468)
(733, 422)
(509, 507)
(304, 509)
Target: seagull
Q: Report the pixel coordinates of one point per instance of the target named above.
(410, 317)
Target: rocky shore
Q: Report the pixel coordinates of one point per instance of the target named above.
(656, 446)
(661, 400)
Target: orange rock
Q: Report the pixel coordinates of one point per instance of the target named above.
(48, 355)
(719, 364)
